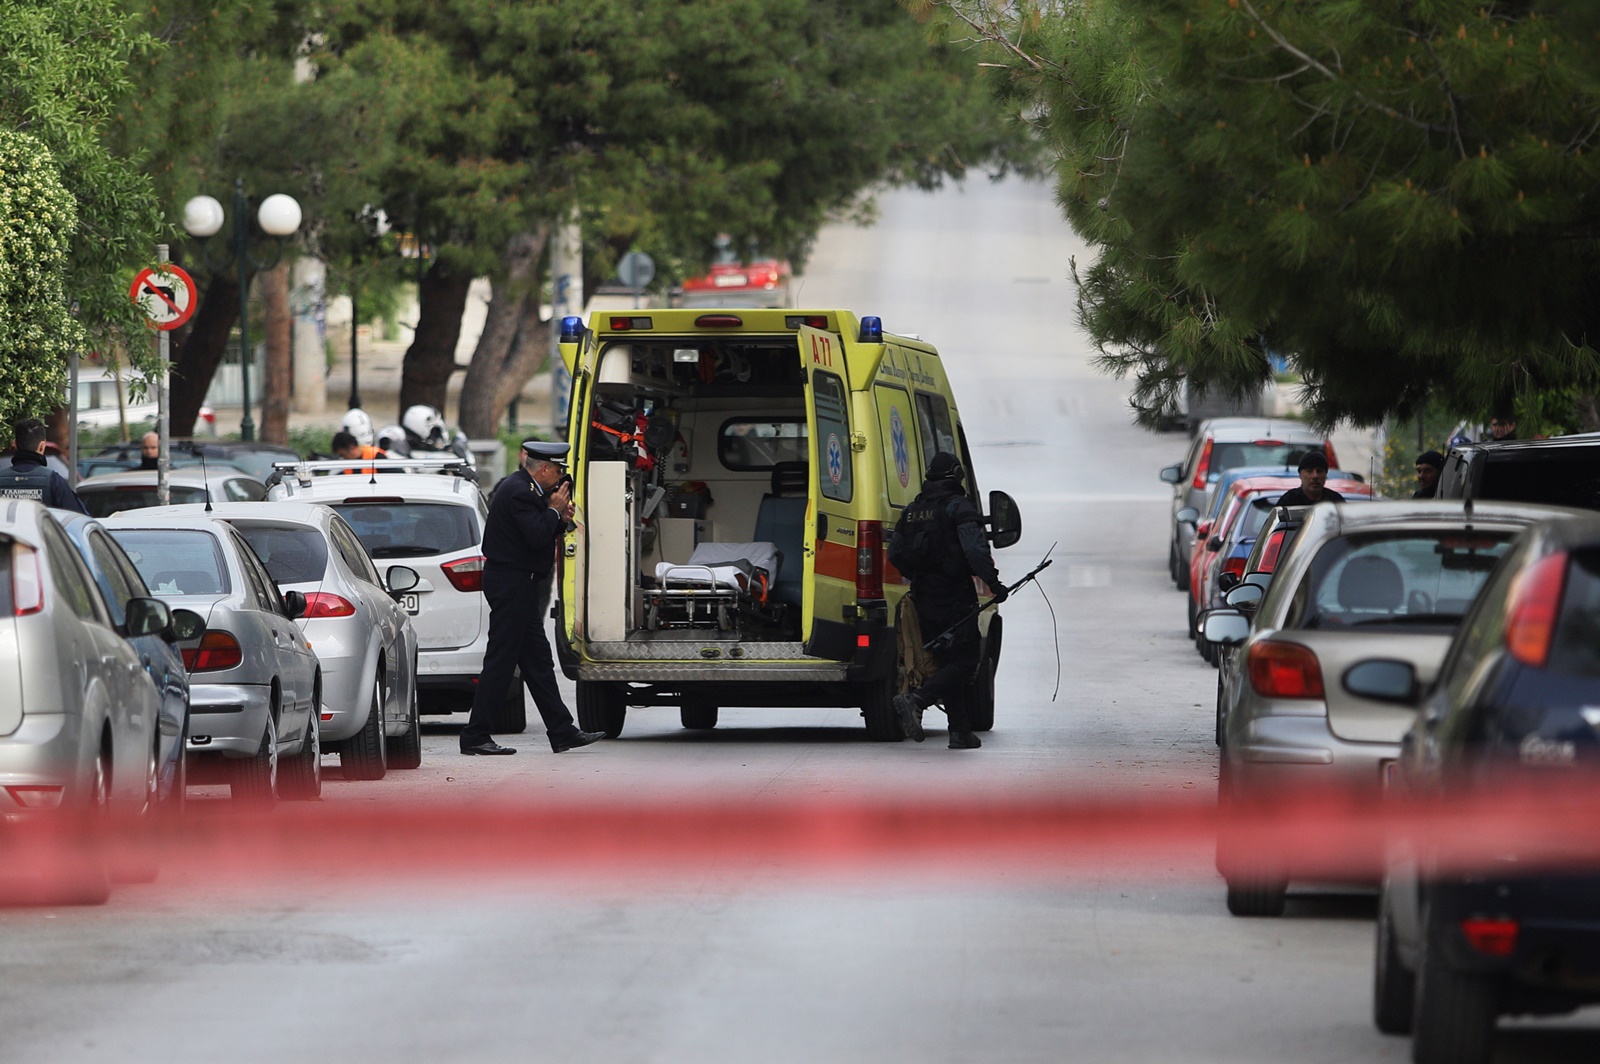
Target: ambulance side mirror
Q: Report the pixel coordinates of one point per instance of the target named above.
(1005, 520)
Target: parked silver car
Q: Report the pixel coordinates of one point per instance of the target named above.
(366, 642)
(79, 717)
(113, 493)
(1219, 445)
(254, 681)
(1395, 577)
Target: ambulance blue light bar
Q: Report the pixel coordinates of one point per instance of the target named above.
(872, 329)
(571, 329)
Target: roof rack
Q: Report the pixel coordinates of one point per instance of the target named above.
(441, 462)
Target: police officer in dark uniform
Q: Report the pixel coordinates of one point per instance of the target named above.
(939, 542)
(526, 515)
(28, 477)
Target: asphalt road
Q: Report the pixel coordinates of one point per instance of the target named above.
(1095, 958)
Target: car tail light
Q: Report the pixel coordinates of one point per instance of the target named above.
(1531, 614)
(41, 797)
(1492, 938)
(327, 604)
(1269, 553)
(217, 650)
(1284, 670)
(718, 321)
(465, 574)
(27, 583)
(1204, 467)
(1267, 443)
(869, 560)
(1328, 452)
(1234, 565)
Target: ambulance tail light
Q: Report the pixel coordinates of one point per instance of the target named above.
(869, 560)
(1203, 468)
(718, 321)
(465, 574)
(816, 321)
(27, 584)
(626, 324)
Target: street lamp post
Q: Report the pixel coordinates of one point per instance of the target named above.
(279, 217)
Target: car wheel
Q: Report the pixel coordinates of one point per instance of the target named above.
(877, 708)
(511, 716)
(365, 755)
(301, 779)
(405, 751)
(1394, 988)
(1219, 708)
(1183, 575)
(79, 873)
(254, 780)
(1256, 895)
(698, 713)
(981, 699)
(1172, 561)
(601, 707)
(178, 795)
(1454, 1018)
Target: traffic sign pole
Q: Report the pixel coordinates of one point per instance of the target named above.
(163, 413)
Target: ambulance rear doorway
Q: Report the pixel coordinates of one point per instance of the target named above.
(695, 522)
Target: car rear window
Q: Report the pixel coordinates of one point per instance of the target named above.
(176, 561)
(1402, 579)
(1226, 456)
(103, 502)
(1575, 650)
(291, 555)
(411, 529)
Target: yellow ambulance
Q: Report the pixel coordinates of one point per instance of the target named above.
(736, 473)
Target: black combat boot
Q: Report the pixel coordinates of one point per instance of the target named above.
(909, 709)
(964, 740)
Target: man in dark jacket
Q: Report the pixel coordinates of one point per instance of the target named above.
(150, 451)
(526, 515)
(1429, 465)
(30, 478)
(1313, 483)
(939, 542)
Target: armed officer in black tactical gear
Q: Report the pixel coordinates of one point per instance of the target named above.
(940, 543)
(28, 477)
(526, 515)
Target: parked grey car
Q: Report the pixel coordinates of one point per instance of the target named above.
(1391, 576)
(254, 681)
(78, 714)
(1220, 445)
(113, 493)
(366, 642)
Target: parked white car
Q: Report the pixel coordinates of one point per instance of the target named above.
(112, 493)
(364, 639)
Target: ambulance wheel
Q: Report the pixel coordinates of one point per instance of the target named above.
(981, 698)
(877, 707)
(698, 714)
(601, 708)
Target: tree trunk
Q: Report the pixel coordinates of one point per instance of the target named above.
(512, 301)
(197, 351)
(431, 358)
(280, 363)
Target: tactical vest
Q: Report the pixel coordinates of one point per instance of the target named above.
(928, 539)
(17, 483)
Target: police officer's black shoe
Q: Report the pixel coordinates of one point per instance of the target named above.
(574, 740)
(909, 710)
(490, 747)
(964, 740)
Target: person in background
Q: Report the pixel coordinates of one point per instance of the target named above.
(29, 478)
(1313, 483)
(1429, 465)
(149, 451)
(1502, 426)
(346, 446)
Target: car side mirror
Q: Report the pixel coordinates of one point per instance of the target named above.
(186, 625)
(1172, 474)
(1214, 543)
(1005, 520)
(1187, 516)
(1383, 680)
(1260, 580)
(294, 605)
(401, 578)
(1245, 597)
(1226, 582)
(146, 616)
(1225, 627)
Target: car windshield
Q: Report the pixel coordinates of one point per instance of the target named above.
(103, 502)
(409, 529)
(175, 561)
(1226, 456)
(1399, 579)
(291, 555)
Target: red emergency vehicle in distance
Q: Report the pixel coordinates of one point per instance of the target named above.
(731, 283)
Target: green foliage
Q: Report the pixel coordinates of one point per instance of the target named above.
(1399, 194)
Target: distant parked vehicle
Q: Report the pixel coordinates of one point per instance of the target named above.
(115, 493)
(254, 457)
(254, 682)
(1559, 471)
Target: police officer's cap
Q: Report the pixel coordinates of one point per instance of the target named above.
(549, 452)
(945, 466)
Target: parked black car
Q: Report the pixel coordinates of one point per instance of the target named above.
(1559, 471)
(1518, 696)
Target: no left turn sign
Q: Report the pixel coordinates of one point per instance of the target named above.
(166, 295)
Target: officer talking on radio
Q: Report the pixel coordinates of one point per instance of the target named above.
(526, 515)
(27, 477)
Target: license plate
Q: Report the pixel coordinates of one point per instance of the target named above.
(730, 280)
(411, 603)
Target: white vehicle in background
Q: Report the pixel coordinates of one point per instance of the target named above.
(365, 641)
(431, 522)
(112, 493)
